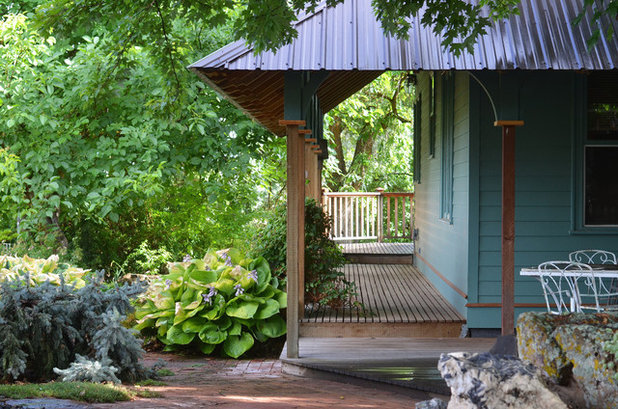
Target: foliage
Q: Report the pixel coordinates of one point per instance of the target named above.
(370, 137)
(599, 10)
(37, 271)
(77, 391)
(99, 145)
(267, 24)
(145, 260)
(223, 299)
(86, 370)
(45, 326)
(324, 279)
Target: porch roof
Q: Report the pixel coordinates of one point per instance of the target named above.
(348, 41)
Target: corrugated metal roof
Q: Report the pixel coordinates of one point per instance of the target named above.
(348, 37)
(348, 41)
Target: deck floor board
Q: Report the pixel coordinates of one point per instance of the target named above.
(390, 293)
(378, 248)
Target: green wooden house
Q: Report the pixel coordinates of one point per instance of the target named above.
(534, 67)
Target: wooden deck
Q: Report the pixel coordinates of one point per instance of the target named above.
(378, 253)
(396, 301)
(408, 362)
(378, 248)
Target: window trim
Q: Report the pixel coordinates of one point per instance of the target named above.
(418, 136)
(580, 143)
(448, 147)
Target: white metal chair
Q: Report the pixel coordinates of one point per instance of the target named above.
(559, 280)
(606, 289)
(593, 257)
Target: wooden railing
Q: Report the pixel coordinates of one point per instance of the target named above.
(369, 215)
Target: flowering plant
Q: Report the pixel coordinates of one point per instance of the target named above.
(223, 299)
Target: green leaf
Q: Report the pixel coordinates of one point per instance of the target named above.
(235, 346)
(176, 335)
(212, 334)
(207, 349)
(281, 298)
(195, 324)
(242, 309)
(272, 327)
(267, 310)
(236, 328)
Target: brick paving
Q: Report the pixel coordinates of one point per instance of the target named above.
(257, 384)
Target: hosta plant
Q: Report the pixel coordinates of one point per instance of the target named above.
(38, 271)
(223, 300)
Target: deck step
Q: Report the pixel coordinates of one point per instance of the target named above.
(363, 258)
(382, 330)
(405, 362)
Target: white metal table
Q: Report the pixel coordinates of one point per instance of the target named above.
(603, 272)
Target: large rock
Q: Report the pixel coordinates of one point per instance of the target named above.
(485, 381)
(569, 351)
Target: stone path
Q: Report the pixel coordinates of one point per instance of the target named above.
(257, 384)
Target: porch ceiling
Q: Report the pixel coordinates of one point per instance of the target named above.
(260, 93)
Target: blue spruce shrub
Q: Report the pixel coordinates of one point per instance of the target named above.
(47, 326)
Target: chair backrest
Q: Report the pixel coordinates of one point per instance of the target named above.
(559, 280)
(593, 257)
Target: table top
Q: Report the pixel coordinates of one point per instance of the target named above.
(601, 270)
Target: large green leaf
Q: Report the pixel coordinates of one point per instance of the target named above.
(236, 328)
(201, 280)
(207, 348)
(235, 346)
(191, 299)
(242, 309)
(215, 311)
(143, 324)
(164, 300)
(272, 327)
(176, 335)
(281, 298)
(212, 334)
(194, 324)
(267, 310)
(225, 285)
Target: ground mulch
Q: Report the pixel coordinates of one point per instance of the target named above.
(202, 382)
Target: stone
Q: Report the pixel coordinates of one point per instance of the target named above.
(569, 351)
(433, 403)
(482, 381)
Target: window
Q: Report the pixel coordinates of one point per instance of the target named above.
(448, 131)
(432, 115)
(416, 158)
(600, 152)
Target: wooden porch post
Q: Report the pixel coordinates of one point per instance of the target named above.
(295, 258)
(508, 224)
(316, 176)
(310, 164)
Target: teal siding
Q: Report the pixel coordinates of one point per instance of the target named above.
(442, 244)
(545, 148)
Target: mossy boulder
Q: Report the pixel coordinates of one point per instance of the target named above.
(571, 349)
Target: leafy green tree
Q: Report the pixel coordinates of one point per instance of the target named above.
(91, 141)
(370, 135)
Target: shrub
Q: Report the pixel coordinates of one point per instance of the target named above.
(223, 299)
(38, 271)
(45, 325)
(324, 280)
(145, 260)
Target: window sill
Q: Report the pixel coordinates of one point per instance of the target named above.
(591, 231)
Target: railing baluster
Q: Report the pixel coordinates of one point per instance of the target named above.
(388, 216)
(403, 216)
